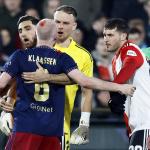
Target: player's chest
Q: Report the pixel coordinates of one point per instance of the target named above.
(117, 64)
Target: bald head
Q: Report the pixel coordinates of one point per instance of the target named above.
(46, 29)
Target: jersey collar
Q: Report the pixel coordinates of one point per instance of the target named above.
(127, 43)
(70, 45)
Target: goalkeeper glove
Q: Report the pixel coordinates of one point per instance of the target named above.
(6, 123)
(116, 103)
(81, 134)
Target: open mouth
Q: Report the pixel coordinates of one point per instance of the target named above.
(108, 45)
(60, 33)
(26, 40)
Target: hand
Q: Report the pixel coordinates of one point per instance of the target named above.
(8, 107)
(40, 75)
(80, 135)
(127, 89)
(116, 103)
(6, 123)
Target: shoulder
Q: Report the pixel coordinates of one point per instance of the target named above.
(133, 53)
(17, 52)
(86, 54)
(64, 55)
(131, 50)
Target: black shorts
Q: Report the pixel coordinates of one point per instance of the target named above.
(140, 140)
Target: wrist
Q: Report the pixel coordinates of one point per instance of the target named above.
(85, 119)
(118, 87)
(47, 78)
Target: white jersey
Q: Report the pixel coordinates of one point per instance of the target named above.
(137, 108)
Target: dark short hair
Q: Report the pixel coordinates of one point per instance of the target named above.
(67, 9)
(118, 23)
(34, 20)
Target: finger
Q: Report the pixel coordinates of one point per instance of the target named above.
(5, 108)
(131, 94)
(29, 82)
(8, 110)
(38, 65)
(6, 104)
(27, 78)
(28, 73)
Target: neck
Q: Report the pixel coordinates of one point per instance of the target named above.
(121, 44)
(104, 56)
(45, 43)
(64, 43)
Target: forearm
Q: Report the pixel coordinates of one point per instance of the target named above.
(86, 100)
(59, 79)
(12, 95)
(4, 79)
(94, 83)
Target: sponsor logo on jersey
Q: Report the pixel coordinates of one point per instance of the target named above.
(41, 108)
(131, 53)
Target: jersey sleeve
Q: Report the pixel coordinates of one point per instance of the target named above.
(67, 63)
(88, 66)
(132, 59)
(12, 65)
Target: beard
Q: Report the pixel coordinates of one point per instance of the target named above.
(61, 39)
(33, 43)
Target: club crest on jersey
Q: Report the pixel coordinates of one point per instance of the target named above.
(131, 53)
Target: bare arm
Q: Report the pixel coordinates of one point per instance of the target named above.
(42, 75)
(59, 79)
(12, 93)
(4, 79)
(86, 102)
(94, 83)
(7, 102)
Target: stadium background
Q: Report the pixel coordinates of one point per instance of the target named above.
(107, 131)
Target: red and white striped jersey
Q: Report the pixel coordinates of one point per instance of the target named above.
(137, 108)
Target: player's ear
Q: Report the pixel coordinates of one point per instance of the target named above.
(74, 26)
(123, 36)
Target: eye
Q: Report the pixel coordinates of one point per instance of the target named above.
(66, 23)
(28, 28)
(57, 21)
(20, 30)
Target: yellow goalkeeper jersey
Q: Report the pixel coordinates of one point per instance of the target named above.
(85, 64)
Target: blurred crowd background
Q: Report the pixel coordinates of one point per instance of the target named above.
(92, 15)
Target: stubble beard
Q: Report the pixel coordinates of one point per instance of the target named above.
(61, 40)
